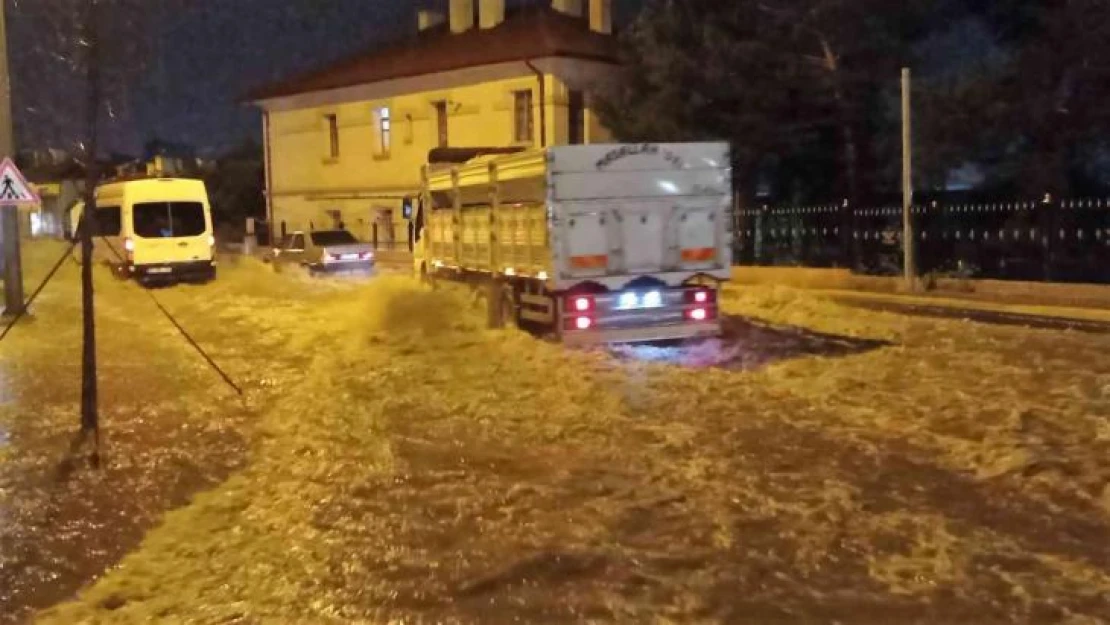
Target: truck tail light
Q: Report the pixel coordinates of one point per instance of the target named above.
(581, 303)
(583, 323)
(701, 314)
(701, 297)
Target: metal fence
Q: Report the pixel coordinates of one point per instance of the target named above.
(1059, 241)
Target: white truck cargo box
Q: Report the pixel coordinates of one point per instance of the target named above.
(601, 243)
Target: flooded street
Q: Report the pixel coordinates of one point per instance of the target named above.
(392, 461)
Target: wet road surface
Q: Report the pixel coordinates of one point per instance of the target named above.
(393, 462)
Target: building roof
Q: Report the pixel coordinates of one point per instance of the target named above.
(530, 35)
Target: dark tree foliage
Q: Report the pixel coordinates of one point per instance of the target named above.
(801, 88)
(807, 91)
(236, 184)
(1037, 120)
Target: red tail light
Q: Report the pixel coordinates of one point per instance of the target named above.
(698, 314)
(583, 323)
(581, 303)
(701, 297)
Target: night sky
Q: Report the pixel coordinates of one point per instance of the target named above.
(200, 58)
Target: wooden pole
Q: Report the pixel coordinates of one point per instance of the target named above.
(908, 257)
(90, 419)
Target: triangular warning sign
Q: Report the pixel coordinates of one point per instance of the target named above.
(13, 186)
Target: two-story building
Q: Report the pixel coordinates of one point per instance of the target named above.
(345, 145)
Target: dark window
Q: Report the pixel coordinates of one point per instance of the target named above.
(325, 238)
(333, 135)
(108, 221)
(441, 123)
(418, 223)
(162, 220)
(576, 109)
(522, 116)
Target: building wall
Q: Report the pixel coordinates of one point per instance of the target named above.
(365, 186)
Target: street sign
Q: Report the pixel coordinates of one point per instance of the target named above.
(14, 193)
(14, 188)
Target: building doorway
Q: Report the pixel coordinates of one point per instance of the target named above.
(383, 235)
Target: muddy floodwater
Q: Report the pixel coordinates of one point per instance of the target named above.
(393, 461)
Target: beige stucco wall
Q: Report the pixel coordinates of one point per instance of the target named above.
(305, 183)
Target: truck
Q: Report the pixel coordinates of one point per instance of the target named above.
(595, 244)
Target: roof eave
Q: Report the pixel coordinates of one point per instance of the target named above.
(261, 97)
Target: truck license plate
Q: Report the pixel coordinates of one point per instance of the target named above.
(159, 270)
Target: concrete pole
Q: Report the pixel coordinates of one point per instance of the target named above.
(9, 221)
(908, 256)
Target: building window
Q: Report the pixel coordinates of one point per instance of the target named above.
(522, 116)
(384, 131)
(333, 135)
(576, 112)
(408, 138)
(441, 123)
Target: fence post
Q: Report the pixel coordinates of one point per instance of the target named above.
(249, 240)
(1048, 222)
(848, 243)
(739, 247)
(760, 236)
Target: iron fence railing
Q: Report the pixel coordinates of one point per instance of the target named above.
(1059, 241)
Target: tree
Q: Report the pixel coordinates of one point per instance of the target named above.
(1041, 114)
(799, 87)
(688, 76)
(236, 185)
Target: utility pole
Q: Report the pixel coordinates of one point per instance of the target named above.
(7, 143)
(9, 215)
(90, 419)
(908, 258)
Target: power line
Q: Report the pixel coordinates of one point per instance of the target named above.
(184, 333)
(23, 309)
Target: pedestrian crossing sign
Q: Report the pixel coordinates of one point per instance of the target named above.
(14, 189)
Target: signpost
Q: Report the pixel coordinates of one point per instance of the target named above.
(14, 193)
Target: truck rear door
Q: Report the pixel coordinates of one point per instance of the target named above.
(602, 238)
(640, 209)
